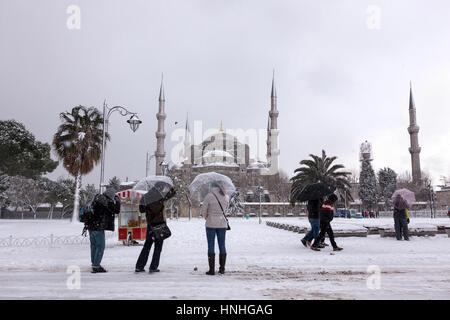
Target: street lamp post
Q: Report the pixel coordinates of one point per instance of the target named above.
(134, 123)
(430, 197)
(260, 191)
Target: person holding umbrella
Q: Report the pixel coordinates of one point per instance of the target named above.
(314, 194)
(326, 216)
(105, 206)
(152, 203)
(213, 210)
(313, 208)
(402, 199)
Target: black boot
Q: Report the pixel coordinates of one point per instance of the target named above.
(222, 260)
(211, 261)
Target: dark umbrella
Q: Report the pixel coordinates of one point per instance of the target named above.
(403, 198)
(157, 187)
(315, 191)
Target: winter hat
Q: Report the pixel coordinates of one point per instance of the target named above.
(332, 198)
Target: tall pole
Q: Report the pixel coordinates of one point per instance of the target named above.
(345, 199)
(260, 208)
(134, 124)
(102, 165)
(260, 189)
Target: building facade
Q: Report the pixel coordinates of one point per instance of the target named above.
(224, 153)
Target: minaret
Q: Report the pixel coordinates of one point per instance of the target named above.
(187, 143)
(272, 144)
(273, 105)
(160, 134)
(413, 130)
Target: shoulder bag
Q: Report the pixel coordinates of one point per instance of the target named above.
(160, 232)
(223, 212)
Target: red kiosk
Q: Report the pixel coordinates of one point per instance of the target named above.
(132, 224)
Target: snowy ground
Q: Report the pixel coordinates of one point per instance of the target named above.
(263, 263)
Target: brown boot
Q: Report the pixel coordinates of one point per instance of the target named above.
(211, 261)
(222, 260)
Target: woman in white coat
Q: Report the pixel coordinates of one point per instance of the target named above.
(213, 210)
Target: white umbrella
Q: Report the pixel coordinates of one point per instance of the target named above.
(202, 183)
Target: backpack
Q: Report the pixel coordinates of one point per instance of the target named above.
(87, 212)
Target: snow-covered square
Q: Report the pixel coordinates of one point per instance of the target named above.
(263, 263)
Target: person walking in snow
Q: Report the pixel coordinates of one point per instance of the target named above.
(213, 210)
(326, 216)
(313, 208)
(105, 206)
(154, 213)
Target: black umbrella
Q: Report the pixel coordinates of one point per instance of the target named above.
(158, 188)
(315, 191)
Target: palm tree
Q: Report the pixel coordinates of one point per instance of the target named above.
(78, 143)
(321, 169)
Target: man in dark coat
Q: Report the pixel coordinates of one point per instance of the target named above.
(313, 217)
(401, 224)
(105, 207)
(152, 203)
(326, 216)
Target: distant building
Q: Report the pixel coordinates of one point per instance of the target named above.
(224, 153)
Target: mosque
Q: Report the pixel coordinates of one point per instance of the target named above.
(224, 153)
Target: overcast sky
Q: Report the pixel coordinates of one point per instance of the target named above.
(342, 75)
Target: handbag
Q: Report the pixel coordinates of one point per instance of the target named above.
(160, 232)
(223, 212)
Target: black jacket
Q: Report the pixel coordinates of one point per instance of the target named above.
(154, 212)
(154, 209)
(399, 213)
(326, 212)
(105, 210)
(314, 208)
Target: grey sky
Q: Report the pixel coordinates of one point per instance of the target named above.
(338, 82)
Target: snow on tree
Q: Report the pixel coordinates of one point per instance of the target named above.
(66, 194)
(114, 182)
(4, 184)
(387, 181)
(25, 193)
(51, 197)
(235, 205)
(78, 143)
(87, 194)
(367, 185)
(21, 154)
(181, 187)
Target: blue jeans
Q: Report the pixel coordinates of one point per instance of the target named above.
(97, 239)
(315, 228)
(211, 235)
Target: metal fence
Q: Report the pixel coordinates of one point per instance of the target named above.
(418, 213)
(48, 241)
